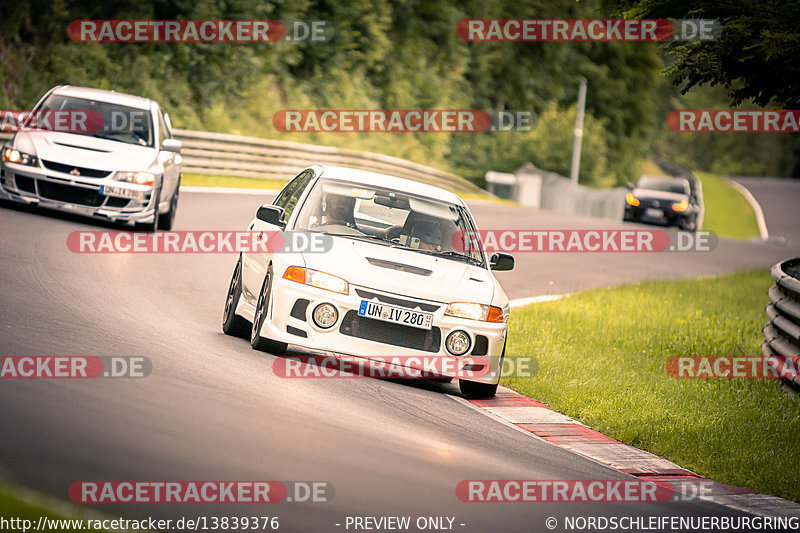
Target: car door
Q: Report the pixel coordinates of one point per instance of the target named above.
(255, 262)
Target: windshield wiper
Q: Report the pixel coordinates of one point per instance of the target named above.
(449, 254)
(363, 236)
(461, 257)
(114, 136)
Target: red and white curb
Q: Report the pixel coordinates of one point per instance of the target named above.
(538, 420)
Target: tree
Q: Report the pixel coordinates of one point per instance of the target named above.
(754, 57)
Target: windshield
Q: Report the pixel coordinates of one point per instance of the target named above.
(388, 217)
(666, 185)
(120, 123)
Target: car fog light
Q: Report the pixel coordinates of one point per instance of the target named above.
(458, 343)
(325, 316)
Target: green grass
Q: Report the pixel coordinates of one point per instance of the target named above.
(28, 505)
(602, 356)
(203, 180)
(727, 212)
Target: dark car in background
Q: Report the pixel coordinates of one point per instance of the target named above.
(662, 200)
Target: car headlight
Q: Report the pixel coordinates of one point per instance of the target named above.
(683, 205)
(315, 278)
(139, 178)
(21, 158)
(631, 199)
(473, 311)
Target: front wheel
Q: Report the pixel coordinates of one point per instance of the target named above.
(233, 324)
(262, 307)
(166, 221)
(475, 391)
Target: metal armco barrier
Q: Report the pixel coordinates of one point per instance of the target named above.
(222, 154)
(782, 333)
(252, 157)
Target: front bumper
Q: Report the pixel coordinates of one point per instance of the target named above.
(289, 320)
(78, 195)
(669, 216)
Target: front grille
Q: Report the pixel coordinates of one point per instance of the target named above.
(114, 201)
(391, 300)
(69, 194)
(388, 333)
(25, 184)
(69, 169)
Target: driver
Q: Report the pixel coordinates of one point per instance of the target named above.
(429, 234)
(338, 209)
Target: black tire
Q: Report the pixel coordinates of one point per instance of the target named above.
(165, 222)
(233, 324)
(476, 391)
(688, 224)
(256, 340)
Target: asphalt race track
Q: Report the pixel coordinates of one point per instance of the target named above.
(212, 409)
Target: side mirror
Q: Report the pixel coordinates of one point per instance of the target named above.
(271, 214)
(501, 261)
(171, 145)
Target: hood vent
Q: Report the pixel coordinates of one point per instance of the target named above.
(82, 147)
(399, 266)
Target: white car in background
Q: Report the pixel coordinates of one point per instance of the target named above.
(392, 251)
(126, 171)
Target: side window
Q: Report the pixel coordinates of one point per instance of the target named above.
(162, 127)
(283, 196)
(296, 193)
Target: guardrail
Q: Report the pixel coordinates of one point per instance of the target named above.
(223, 154)
(782, 334)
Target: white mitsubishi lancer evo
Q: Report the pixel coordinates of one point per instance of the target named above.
(397, 279)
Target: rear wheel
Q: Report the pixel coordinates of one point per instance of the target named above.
(233, 324)
(262, 307)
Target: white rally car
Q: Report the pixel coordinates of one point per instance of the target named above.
(394, 282)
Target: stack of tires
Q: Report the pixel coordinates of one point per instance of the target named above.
(782, 334)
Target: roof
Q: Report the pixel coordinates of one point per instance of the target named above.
(105, 96)
(365, 177)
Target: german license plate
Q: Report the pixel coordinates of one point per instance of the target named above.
(653, 213)
(122, 192)
(396, 315)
